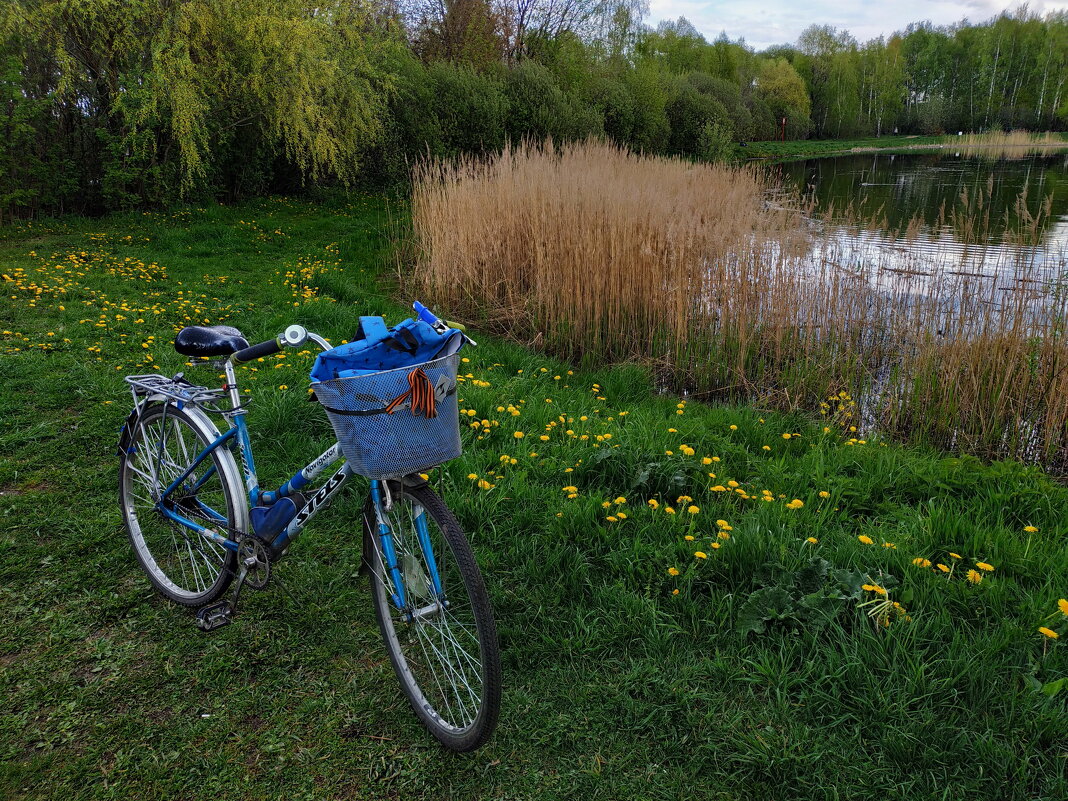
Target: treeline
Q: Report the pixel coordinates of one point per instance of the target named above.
(106, 104)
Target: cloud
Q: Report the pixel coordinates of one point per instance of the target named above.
(771, 22)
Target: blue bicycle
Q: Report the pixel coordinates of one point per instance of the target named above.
(197, 521)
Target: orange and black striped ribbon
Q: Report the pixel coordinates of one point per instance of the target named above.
(421, 392)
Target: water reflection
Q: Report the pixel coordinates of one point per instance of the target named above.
(926, 189)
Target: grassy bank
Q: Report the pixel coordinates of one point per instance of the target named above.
(763, 677)
(815, 148)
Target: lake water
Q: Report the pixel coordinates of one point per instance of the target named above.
(918, 185)
(981, 234)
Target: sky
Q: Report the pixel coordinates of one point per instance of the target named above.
(767, 22)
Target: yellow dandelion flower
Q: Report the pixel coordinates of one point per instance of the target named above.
(734, 428)
(705, 460)
(673, 571)
(919, 561)
(483, 484)
(732, 484)
(954, 555)
(1048, 632)
(654, 503)
(675, 592)
(688, 538)
(519, 435)
(984, 566)
(723, 524)
(786, 436)
(942, 567)
(719, 488)
(812, 540)
(472, 476)
(1062, 604)
(669, 510)
(700, 554)
(723, 535)
(611, 518)
(1030, 529)
(974, 576)
(824, 494)
(693, 509)
(864, 538)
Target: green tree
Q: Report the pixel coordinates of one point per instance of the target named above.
(174, 97)
(780, 86)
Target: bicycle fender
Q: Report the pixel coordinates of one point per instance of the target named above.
(126, 433)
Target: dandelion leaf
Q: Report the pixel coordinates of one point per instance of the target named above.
(1051, 688)
(765, 605)
(813, 576)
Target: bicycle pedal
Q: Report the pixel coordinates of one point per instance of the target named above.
(215, 616)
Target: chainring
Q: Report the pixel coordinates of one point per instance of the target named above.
(253, 554)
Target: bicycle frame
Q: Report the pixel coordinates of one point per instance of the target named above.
(238, 432)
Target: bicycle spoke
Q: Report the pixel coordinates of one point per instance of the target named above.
(442, 646)
(447, 665)
(178, 557)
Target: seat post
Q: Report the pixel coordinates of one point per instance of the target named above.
(231, 384)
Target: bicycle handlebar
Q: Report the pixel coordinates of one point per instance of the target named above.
(266, 348)
(439, 325)
(293, 337)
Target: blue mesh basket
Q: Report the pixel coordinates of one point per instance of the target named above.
(379, 443)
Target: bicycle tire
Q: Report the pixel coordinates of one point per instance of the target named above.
(192, 571)
(467, 619)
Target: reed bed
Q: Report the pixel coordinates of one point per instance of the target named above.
(1008, 144)
(732, 289)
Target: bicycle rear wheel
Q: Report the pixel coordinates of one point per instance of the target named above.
(182, 565)
(442, 640)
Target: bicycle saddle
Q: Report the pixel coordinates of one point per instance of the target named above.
(216, 340)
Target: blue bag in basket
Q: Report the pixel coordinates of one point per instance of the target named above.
(391, 396)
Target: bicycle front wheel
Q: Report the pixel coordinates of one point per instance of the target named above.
(436, 619)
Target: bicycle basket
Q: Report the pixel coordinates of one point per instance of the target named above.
(392, 423)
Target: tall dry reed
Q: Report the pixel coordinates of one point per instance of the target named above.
(722, 281)
(1007, 145)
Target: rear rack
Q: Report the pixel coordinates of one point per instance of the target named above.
(176, 389)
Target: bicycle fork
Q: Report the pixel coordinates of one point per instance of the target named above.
(404, 598)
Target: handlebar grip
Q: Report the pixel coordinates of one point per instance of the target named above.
(257, 351)
(424, 314)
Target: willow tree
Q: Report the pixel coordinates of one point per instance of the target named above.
(170, 98)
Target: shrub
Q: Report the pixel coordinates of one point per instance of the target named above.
(540, 109)
(689, 113)
(651, 127)
(609, 97)
(471, 109)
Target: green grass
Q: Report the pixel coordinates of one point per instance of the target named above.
(799, 148)
(813, 148)
(816, 147)
(615, 687)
